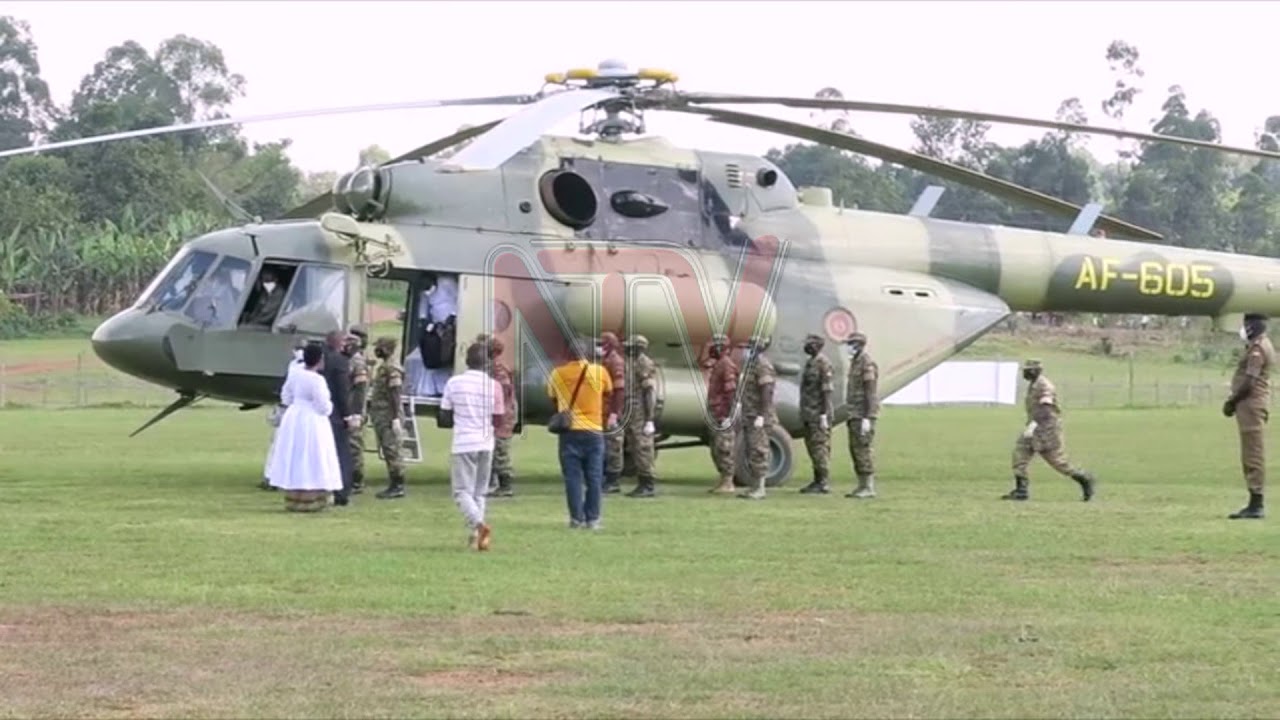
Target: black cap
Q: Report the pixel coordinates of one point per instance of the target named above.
(1255, 317)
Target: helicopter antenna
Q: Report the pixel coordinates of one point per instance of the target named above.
(236, 211)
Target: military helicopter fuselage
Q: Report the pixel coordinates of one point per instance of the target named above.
(572, 237)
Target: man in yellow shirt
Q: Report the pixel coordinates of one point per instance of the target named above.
(586, 386)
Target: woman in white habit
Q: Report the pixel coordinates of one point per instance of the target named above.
(277, 412)
(304, 461)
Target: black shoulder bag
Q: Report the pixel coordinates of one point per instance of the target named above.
(561, 421)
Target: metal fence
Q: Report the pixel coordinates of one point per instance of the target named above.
(86, 382)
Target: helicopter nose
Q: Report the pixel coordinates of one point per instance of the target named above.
(128, 343)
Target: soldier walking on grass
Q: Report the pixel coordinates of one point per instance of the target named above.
(722, 389)
(642, 387)
(815, 413)
(758, 414)
(1043, 436)
(1249, 403)
(387, 414)
(357, 341)
(863, 400)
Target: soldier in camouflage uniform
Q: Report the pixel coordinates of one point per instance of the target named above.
(815, 413)
(386, 414)
(642, 406)
(722, 389)
(1043, 436)
(502, 482)
(357, 340)
(758, 414)
(862, 398)
(612, 360)
(1250, 403)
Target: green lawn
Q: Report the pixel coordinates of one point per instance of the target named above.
(149, 578)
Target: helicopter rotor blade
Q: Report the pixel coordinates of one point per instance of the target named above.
(899, 109)
(921, 163)
(320, 203)
(291, 115)
(524, 127)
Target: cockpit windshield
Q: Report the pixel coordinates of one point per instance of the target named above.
(216, 302)
(175, 284)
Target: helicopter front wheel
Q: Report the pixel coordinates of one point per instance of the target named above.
(781, 459)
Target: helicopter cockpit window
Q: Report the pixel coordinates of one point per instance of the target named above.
(178, 283)
(216, 301)
(316, 302)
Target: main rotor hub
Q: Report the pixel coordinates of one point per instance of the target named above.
(621, 115)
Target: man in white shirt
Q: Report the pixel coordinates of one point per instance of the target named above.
(472, 406)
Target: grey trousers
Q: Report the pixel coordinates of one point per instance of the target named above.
(469, 475)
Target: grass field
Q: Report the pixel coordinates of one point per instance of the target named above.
(149, 578)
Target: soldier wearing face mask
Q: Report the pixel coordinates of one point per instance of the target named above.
(758, 413)
(815, 412)
(354, 348)
(1249, 403)
(863, 401)
(722, 388)
(1043, 436)
(610, 353)
(269, 301)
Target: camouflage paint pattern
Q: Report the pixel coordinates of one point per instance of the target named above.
(949, 282)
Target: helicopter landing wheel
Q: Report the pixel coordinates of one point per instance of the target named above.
(781, 459)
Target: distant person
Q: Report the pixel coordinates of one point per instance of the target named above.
(386, 412)
(815, 412)
(759, 415)
(610, 353)
(502, 483)
(337, 373)
(304, 461)
(1043, 436)
(471, 406)
(1250, 403)
(270, 298)
(722, 389)
(863, 400)
(277, 412)
(582, 389)
(641, 411)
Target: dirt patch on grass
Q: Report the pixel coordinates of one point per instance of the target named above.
(37, 368)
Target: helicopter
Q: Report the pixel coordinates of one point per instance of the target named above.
(551, 240)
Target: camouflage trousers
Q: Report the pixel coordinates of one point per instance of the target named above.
(1252, 423)
(501, 458)
(638, 446)
(722, 451)
(860, 447)
(757, 442)
(356, 442)
(389, 444)
(613, 447)
(817, 441)
(1047, 442)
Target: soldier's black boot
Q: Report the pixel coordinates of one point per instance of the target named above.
(1253, 511)
(645, 488)
(1086, 482)
(394, 490)
(819, 485)
(357, 482)
(504, 488)
(1019, 491)
(611, 484)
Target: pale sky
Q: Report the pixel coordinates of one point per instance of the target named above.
(1011, 57)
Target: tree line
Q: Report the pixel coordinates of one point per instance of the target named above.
(83, 230)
